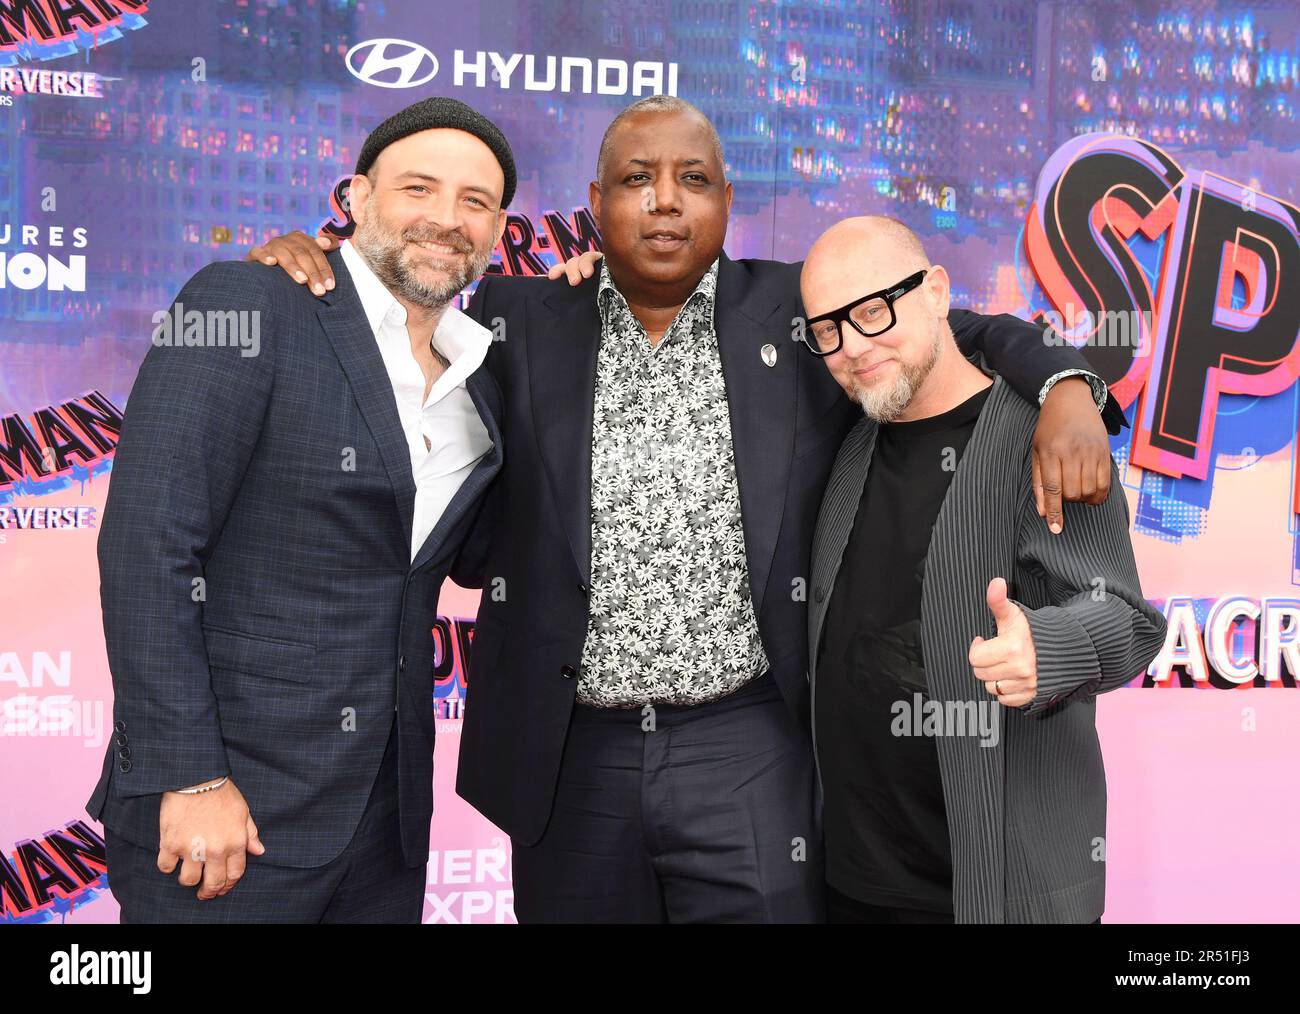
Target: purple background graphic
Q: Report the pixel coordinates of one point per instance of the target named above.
(940, 113)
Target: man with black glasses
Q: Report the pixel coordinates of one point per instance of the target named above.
(954, 725)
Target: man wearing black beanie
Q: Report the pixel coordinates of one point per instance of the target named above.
(283, 513)
(435, 114)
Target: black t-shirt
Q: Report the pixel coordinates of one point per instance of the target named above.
(886, 829)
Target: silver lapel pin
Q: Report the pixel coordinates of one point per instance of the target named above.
(768, 353)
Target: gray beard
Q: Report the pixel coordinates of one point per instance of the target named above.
(885, 404)
(385, 254)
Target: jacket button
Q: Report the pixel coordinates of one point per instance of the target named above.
(819, 594)
(120, 726)
(582, 588)
(125, 765)
(121, 739)
(568, 672)
(401, 662)
(124, 753)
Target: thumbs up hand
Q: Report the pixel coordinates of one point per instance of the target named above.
(1007, 664)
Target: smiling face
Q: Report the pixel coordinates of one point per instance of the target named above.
(428, 214)
(859, 256)
(662, 200)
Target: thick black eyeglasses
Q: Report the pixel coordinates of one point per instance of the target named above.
(871, 315)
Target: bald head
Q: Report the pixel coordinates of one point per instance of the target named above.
(882, 340)
(857, 256)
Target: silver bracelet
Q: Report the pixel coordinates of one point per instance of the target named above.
(206, 788)
(1100, 392)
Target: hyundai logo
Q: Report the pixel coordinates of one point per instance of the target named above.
(382, 56)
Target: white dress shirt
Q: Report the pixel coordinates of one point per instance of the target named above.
(447, 418)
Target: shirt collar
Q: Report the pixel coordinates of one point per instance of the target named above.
(459, 337)
(376, 300)
(607, 295)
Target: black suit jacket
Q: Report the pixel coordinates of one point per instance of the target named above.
(787, 424)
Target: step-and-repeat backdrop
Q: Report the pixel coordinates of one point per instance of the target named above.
(1127, 171)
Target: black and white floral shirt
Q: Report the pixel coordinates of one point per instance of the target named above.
(671, 617)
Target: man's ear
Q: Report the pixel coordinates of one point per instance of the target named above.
(593, 199)
(937, 285)
(359, 191)
(501, 225)
(728, 191)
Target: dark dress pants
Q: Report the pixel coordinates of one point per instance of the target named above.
(708, 817)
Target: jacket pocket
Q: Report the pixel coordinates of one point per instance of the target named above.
(256, 655)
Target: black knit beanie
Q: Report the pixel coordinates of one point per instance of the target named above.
(433, 114)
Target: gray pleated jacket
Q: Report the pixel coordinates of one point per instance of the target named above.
(1027, 817)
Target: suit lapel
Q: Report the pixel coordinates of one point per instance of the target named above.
(761, 406)
(344, 321)
(486, 396)
(562, 380)
(761, 403)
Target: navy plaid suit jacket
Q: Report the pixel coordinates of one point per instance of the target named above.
(262, 613)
